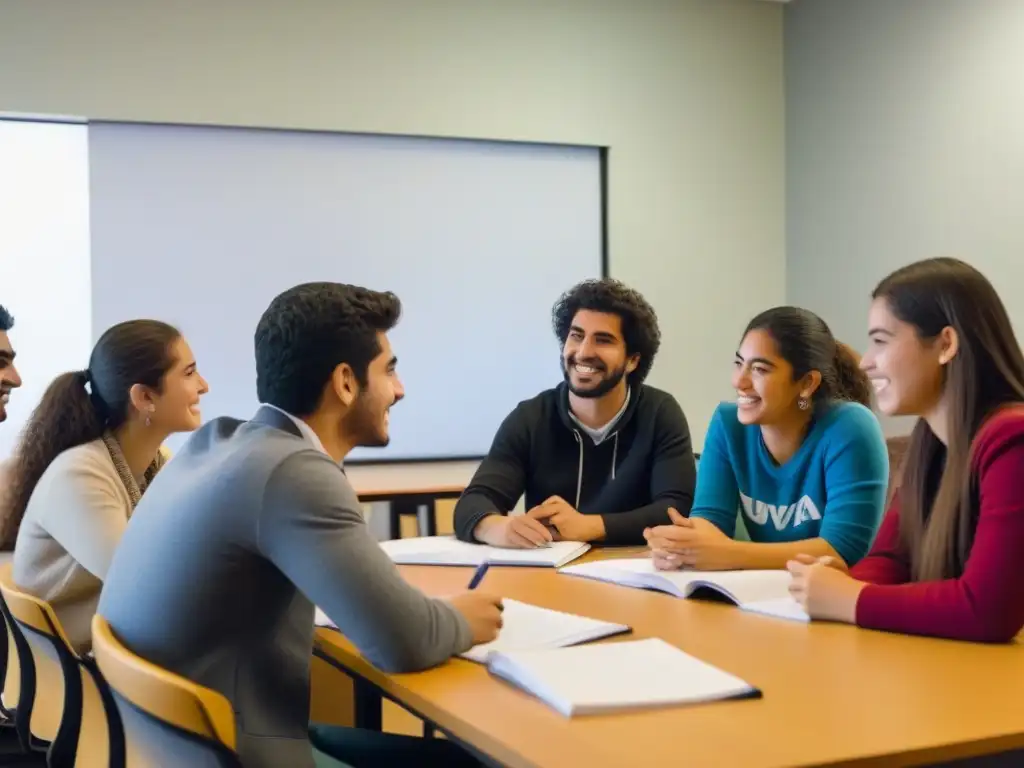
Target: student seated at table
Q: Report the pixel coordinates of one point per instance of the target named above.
(600, 457)
(254, 523)
(88, 454)
(799, 454)
(947, 560)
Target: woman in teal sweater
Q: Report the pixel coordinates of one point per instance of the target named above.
(799, 455)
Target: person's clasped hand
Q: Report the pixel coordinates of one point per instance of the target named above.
(688, 543)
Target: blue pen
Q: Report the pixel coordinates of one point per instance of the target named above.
(478, 576)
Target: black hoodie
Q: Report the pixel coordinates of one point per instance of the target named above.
(640, 469)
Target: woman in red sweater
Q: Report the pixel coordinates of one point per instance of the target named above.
(947, 558)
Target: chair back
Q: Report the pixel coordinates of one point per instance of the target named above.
(897, 448)
(167, 719)
(60, 704)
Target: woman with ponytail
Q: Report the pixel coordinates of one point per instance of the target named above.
(947, 561)
(90, 449)
(799, 454)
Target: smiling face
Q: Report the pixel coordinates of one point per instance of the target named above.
(175, 408)
(594, 357)
(367, 421)
(9, 378)
(905, 370)
(765, 390)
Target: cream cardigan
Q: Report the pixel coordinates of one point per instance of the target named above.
(72, 525)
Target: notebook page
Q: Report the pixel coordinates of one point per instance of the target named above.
(530, 627)
(751, 586)
(781, 607)
(606, 677)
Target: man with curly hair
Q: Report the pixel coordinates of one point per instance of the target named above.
(600, 457)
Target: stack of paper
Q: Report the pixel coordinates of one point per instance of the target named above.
(447, 550)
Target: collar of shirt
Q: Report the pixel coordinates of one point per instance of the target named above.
(307, 431)
(598, 435)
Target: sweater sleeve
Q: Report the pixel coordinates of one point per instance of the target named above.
(887, 562)
(856, 479)
(85, 512)
(718, 495)
(500, 479)
(311, 527)
(673, 476)
(986, 603)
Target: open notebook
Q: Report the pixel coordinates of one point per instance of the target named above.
(447, 550)
(529, 627)
(764, 592)
(615, 677)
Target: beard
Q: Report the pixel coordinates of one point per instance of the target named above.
(609, 381)
(365, 423)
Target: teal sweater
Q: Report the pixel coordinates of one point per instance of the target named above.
(833, 487)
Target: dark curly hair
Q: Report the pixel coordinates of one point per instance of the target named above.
(6, 320)
(310, 330)
(129, 353)
(639, 321)
(805, 342)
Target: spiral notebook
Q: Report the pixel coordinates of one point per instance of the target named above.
(605, 678)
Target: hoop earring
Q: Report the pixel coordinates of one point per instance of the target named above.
(803, 403)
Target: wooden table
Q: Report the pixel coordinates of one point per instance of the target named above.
(833, 695)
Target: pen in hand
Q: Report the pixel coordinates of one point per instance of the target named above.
(479, 574)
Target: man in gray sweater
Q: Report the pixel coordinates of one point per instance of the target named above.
(253, 523)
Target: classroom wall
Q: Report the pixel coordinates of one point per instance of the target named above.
(904, 123)
(688, 94)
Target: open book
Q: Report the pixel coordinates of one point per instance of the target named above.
(615, 677)
(529, 627)
(447, 550)
(764, 592)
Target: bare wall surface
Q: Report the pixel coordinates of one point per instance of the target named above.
(904, 122)
(688, 95)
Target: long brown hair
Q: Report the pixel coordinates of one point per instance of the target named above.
(79, 406)
(938, 492)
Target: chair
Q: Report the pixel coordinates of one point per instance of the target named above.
(897, 447)
(61, 707)
(166, 719)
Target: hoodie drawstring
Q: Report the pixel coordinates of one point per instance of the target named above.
(579, 474)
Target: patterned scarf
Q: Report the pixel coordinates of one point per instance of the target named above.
(135, 491)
